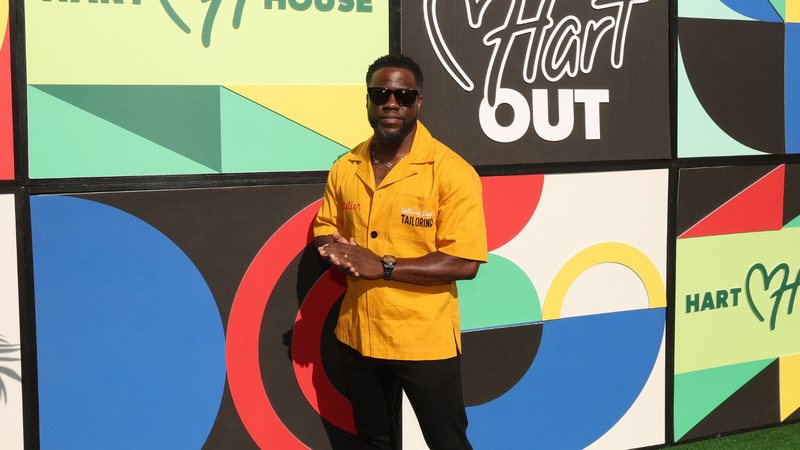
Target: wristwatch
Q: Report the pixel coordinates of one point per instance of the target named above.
(388, 262)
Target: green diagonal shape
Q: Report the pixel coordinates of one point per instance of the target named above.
(65, 142)
(698, 393)
(184, 119)
(256, 139)
(780, 6)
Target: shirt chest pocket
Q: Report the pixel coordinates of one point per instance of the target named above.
(414, 218)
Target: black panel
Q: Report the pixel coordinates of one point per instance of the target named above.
(222, 230)
(495, 360)
(701, 191)
(634, 123)
(736, 69)
(756, 404)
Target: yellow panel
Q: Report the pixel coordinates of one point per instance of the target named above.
(793, 10)
(192, 42)
(336, 112)
(789, 384)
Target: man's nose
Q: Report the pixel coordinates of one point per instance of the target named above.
(391, 102)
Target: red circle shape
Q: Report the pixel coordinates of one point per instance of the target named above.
(508, 204)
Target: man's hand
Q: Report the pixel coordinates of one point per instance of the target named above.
(348, 257)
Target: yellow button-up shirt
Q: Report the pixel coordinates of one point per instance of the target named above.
(430, 201)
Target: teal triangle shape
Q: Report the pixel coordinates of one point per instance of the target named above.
(780, 7)
(184, 119)
(698, 393)
(257, 139)
(65, 141)
(794, 223)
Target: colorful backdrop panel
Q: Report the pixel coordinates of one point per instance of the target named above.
(737, 338)
(243, 97)
(738, 78)
(544, 81)
(6, 116)
(577, 266)
(10, 364)
(227, 277)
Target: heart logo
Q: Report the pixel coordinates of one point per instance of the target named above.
(767, 279)
(475, 12)
(208, 22)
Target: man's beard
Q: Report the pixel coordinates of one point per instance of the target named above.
(394, 137)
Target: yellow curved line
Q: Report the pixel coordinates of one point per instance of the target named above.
(606, 252)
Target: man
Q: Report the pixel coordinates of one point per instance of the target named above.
(403, 217)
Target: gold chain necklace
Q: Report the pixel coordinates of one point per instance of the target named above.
(388, 165)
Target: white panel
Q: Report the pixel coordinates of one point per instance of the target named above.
(11, 401)
(580, 210)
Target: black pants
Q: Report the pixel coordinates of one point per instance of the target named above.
(433, 389)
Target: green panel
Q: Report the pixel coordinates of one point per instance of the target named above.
(95, 147)
(709, 333)
(256, 139)
(698, 134)
(698, 393)
(184, 119)
(501, 295)
(780, 6)
(708, 9)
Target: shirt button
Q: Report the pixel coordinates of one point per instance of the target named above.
(373, 235)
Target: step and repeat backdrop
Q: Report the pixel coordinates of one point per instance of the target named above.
(171, 156)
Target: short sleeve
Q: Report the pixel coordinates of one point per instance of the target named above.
(327, 218)
(461, 226)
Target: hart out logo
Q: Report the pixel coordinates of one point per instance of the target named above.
(767, 294)
(213, 8)
(559, 45)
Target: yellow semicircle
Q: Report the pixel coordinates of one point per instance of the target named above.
(606, 252)
(336, 112)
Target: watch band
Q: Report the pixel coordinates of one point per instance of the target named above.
(388, 262)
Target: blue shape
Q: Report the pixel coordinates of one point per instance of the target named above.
(131, 348)
(755, 9)
(587, 373)
(792, 86)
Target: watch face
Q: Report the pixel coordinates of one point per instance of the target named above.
(389, 259)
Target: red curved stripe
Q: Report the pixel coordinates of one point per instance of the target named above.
(306, 356)
(244, 326)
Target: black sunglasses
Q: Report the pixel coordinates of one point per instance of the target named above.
(380, 96)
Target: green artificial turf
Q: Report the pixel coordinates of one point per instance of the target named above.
(777, 438)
